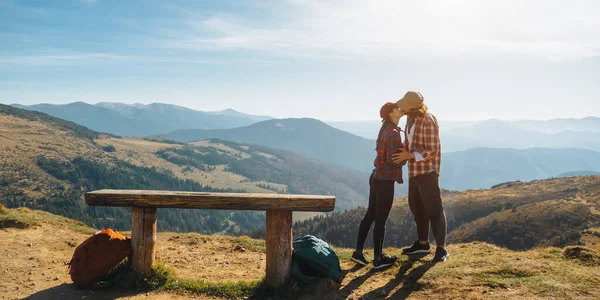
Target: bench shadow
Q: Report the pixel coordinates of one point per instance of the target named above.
(113, 291)
(71, 292)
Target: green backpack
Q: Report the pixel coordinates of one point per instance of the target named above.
(312, 258)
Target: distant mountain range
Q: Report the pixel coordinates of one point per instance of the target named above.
(587, 124)
(484, 167)
(458, 136)
(578, 173)
(143, 120)
(505, 134)
(48, 163)
(470, 158)
(157, 118)
(308, 137)
(470, 169)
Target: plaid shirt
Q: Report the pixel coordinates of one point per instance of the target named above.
(385, 168)
(425, 141)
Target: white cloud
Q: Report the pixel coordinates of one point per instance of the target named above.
(551, 29)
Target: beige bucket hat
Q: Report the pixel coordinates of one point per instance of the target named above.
(411, 100)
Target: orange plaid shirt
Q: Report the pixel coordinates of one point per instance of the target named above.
(385, 168)
(425, 141)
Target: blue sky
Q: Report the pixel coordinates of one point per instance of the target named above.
(331, 60)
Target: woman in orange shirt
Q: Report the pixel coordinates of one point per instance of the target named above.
(381, 182)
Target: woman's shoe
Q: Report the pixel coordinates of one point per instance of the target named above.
(383, 261)
(359, 258)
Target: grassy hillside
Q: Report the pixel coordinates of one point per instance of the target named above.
(516, 215)
(546, 223)
(73, 128)
(36, 245)
(308, 137)
(482, 167)
(48, 164)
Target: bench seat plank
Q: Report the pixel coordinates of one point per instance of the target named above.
(201, 200)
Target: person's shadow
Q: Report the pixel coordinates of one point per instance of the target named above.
(356, 282)
(408, 281)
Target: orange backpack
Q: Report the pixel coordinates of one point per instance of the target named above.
(96, 256)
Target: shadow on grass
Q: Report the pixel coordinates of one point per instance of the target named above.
(127, 283)
(356, 282)
(407, 281)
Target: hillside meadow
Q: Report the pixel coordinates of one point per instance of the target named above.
(49, 163)
(36, 246)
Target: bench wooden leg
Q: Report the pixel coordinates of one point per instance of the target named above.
(279, 247)
(143, 239)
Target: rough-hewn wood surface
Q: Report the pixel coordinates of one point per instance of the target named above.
(232, 201)
(143, 239)
(279, 247)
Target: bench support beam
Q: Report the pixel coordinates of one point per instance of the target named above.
(279, 247)
(143, 239)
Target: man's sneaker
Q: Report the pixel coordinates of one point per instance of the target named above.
(417, 248)
(383, 261)
(359, 258)
(440, 255)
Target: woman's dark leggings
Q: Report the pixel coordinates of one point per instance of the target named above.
(381, 196)
(425, 204)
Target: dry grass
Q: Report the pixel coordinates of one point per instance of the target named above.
(477, 271)
(22, 141)
(209, 266)
(141, 152)
(584, 256)
(26, 218)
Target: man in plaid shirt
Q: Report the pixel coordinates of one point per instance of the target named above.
(423, 152)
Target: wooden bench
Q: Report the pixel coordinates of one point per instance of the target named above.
(279, 208)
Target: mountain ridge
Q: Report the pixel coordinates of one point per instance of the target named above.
(460, 136)
(48, 163)
(307, 136)
(142, 119)
(474, 168)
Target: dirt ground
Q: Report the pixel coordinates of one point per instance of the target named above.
(33, 264)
